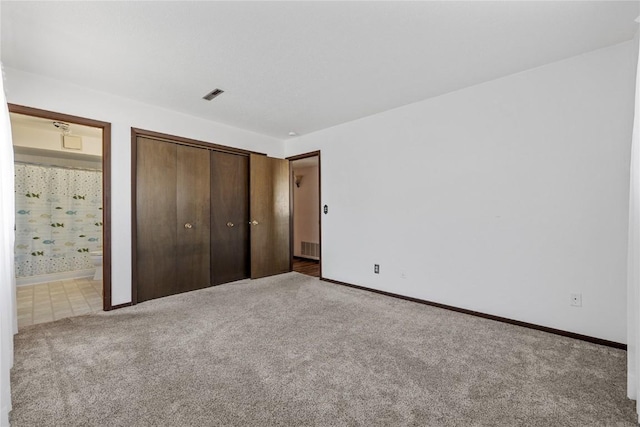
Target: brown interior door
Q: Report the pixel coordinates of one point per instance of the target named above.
(229, 217)
(155, 219)
(193, 251)
(269, 216)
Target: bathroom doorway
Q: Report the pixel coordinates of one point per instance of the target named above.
(61, 172)
(306, 215)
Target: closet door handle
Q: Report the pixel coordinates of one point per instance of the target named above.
(229, 224)
(254, 222)
(187, 225)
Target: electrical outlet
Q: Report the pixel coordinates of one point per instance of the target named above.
(403, 275)
(576, 300)
(376, 268)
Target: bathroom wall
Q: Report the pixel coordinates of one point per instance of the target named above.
(31, 133)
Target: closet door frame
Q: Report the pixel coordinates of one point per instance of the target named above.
(135, 133)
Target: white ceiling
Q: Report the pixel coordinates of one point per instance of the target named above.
(299, 66)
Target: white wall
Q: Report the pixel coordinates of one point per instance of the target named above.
(39, 92)
(503, 198)
(306, 217)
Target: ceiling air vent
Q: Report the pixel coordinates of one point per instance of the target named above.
(212, 94)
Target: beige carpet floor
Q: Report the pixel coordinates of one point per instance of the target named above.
(293, 351)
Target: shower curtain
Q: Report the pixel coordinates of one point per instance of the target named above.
(58, 218)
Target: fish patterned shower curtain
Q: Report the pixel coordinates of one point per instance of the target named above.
(58, 218)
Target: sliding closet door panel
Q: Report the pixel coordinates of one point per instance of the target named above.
(229, 217)
(156, 219)
(193, 218)
(269, 209)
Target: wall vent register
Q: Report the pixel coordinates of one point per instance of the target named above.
(310, 249)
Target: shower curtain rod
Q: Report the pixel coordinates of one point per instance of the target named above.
(57, 166)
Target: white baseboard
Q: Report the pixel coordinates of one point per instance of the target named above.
(54, 277)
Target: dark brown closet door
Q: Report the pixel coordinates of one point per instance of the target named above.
(193, 251)
(229, 217)
(269, 205)
(156, 219)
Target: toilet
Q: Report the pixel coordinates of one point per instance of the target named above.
(96, 259)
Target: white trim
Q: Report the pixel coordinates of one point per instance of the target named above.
(54, 277)
(8, 314)
(4, 417)
(633, 260)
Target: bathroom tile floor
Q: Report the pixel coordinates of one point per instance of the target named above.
(51, 301)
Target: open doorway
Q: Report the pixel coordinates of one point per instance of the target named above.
(305, 207)
(62, 260)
